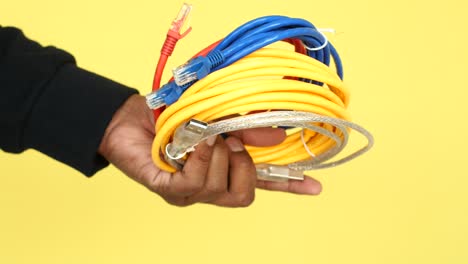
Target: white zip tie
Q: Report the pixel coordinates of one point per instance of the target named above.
(325, 43)
(305, 144)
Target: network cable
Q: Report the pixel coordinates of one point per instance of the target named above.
(243, 75)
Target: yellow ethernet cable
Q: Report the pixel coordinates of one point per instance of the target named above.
(240, 83)
(255, 83)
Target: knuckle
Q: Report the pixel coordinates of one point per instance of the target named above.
(245, 163)
(158, 182)
(204, 157)
(245, 199)
(180, 202)
(196, 186)
(190, 185)
(188, 188)
(180, 189)
(215, 189)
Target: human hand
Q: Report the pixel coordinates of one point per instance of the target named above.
(219, 171)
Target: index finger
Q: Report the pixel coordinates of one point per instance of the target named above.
(192, 177)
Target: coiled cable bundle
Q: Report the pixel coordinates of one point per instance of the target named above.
(240, 83)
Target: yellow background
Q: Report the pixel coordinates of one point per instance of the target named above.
(404, 202)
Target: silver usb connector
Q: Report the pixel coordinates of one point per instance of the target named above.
(270, 172)
(186, 137)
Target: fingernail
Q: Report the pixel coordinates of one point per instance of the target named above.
(210, 141)
(235, 145)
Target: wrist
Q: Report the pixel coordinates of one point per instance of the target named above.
(133, 112)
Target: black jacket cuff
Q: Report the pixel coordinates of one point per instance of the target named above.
(69, 118)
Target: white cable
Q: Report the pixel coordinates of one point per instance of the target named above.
(185, 139)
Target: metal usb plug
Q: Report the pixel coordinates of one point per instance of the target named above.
(270, 172)
(186, 137)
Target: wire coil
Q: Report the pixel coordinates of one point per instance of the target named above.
(254, 84)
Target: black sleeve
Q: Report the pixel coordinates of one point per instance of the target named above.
(49, 104)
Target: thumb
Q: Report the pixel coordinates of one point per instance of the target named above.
(261, 137)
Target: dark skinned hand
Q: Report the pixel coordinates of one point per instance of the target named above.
(219, 171)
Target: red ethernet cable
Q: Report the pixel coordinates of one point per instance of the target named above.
(174, 35)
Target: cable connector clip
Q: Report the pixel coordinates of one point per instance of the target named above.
(180, 21)
(270, 172)
(166, 95)
(197, 68)
(192, 70)
(173, 34)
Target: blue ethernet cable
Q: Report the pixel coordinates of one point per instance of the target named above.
(254, 35)
(241, 42)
